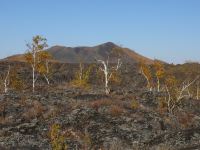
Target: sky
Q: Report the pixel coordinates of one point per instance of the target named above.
(163, 29)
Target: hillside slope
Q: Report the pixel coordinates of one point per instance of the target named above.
(90, 54)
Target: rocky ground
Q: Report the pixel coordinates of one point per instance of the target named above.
(73, 118)
(90, 120)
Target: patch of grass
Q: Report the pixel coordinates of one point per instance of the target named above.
(56, 137)
(116, 110)
(36, 110)
(134, 104)
(100, 103)
(162, 106)
(185, 119)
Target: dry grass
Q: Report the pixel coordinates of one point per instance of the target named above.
(100, 103)
(52, 111)
(116, 110)
(87, 141)
(2, 109)
(36, 110)
(22, 101)
(162, 106)
(135, 104)
(5, 120)
(81, 84)
(185, 119)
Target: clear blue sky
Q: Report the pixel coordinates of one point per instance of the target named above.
(163, 29)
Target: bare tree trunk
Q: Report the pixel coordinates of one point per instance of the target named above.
(108, 73)
(105, 70)
(158, 84)
(81, 71)
(184, 88)
(197, 90)
(46, 78)
(148, 82)
(33, 69)
(189, 94)
(169, 101)
(33, 79)
(6, 81)
(107, 90)
(47, 72)
(172, 101)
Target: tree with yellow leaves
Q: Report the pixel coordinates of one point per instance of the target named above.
(159, 72)
(175, 92)
(33, 56)
(82, 76)
(146, 72)
(43, 67)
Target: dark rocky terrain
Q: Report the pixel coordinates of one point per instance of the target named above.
(92, 120)
(129, 118)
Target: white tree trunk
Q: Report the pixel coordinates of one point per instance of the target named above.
(46, 78)
(6, 81)
(47, 72)
(189, 94)
(108, 73)
(5, 88)
(158, 84)
(169, 100)
(185, 87)
(81, 71)
(197, 90)
(38, 44)
(33, 79)
(148, 82)
(33, 69)
(107, 90)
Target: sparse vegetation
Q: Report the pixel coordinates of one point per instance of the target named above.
(57, 139)
(6, 79)
(134, 104)
(144, 105)
(35, 57)
(159, 72)
(35, 110)
(116, 110)
(108, 72)
(100, 103)
(146, 72)
(82, 77)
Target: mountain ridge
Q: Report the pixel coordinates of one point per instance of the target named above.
(89, 54)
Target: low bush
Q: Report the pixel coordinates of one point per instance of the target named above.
(134, 104)
(56, 137)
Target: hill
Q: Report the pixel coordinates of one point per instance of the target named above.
(89, 54)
